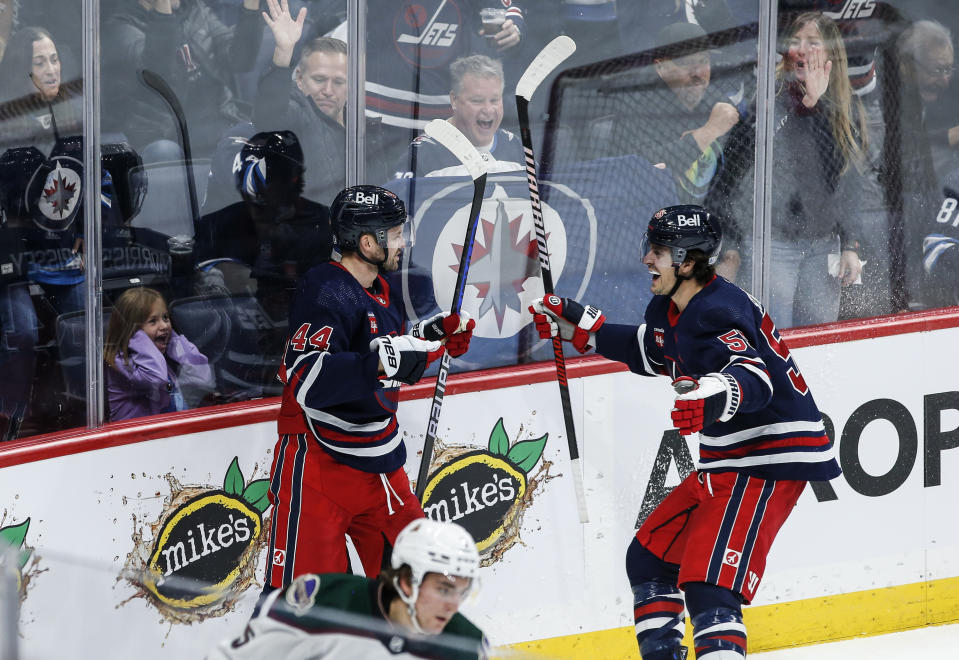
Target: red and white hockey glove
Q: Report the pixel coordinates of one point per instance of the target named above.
(456, 329)
(568, 319)
(405, 358)
(714, 397)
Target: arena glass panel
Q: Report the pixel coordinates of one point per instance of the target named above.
(175, 219)
(42, 233)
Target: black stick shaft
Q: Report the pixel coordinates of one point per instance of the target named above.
(522, 107)
(479, 186)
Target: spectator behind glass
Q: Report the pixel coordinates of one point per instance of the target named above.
(36, 107)
(683, 121)
(640, 23)
(407, 82)
(262, 244)
(477, 100)
(926, 59)
(185, 43)
(150, 368)
(818, 157)
(314, 109)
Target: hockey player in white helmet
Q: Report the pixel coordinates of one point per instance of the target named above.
(400, 614)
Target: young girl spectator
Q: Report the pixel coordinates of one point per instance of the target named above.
(150, 368)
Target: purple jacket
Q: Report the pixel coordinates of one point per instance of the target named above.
(153, 382)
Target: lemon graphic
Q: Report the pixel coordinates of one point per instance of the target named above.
(483, 490)
(204, 545)
(498, 503)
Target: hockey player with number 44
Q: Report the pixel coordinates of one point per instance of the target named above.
(761, 436)
(338, 462)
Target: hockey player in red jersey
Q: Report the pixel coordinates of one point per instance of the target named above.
(409, 611)
(761, 436)
(338, 463)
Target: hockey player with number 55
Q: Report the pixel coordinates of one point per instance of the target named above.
(338, 462)
(761, 436)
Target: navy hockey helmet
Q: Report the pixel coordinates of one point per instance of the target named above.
(269, 169)
(362, 210)
(683, 228)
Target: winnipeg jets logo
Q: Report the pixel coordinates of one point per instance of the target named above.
(54, 194)
(60, 193)
(374, 327)
(732, 557)
(659, 336)
(279, 557)
(853, 9)
(434, 33)
(427, 31)
(504, 273)
(505, 260)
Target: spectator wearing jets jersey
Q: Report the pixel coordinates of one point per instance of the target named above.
(338, 462)
(477, 100)
(761, 436)
(932, 243)
(407, 83)
(409, 609)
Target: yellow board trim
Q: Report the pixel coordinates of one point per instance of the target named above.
(796, 623)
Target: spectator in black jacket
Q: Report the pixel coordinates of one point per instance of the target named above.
(314, 110)
(275, 235)
(36, 106)
(185, 43)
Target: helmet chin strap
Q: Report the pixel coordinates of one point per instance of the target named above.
(380, 263)
(410, 602)
(679, 281)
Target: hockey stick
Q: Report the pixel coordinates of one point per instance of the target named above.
(449, 136)
(161, 87)
(542, 65)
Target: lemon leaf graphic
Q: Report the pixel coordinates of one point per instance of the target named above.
(525, 453)
(256, 494)
(498, 440)
(15, 534)
(233, 483)
(24, 558)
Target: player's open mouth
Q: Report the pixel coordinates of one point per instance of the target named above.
(485, 124)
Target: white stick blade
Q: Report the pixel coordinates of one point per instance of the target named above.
(552, 55)
(458, 144)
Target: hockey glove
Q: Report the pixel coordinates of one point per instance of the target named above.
(567, 318)
(714, 397)
(456, 329)
(405, 358)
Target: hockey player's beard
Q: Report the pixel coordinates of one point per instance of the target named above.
(389, 265)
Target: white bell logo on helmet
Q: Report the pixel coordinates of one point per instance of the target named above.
(361, 198)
